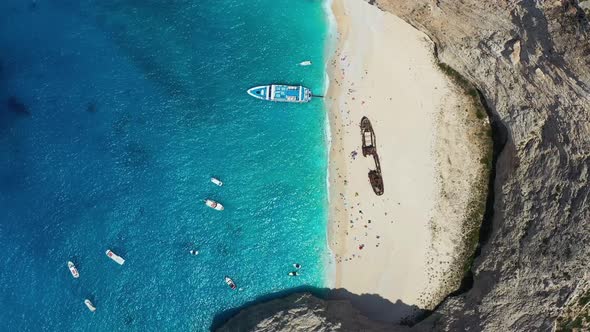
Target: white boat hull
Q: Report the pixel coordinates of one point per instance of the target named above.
(217, 182)
(282, 93)
(214, 205)
(73, 270)
(89, 305)
(230, 283)
(118, 259)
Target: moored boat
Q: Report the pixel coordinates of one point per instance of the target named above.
(305, 63)
(73, 269)
(115, 257)
(89, 305)
(281, 93)
(217, 181)
(230, 282)
(194, 252)
(214, 205)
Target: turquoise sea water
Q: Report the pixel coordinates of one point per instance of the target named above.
(113, 116)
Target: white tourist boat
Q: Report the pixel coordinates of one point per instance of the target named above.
(305, 63)
(230, 282)
(115, 257)
(73, 269)
(281, 93)
(89, 305)
(217, 181)
(214, 205)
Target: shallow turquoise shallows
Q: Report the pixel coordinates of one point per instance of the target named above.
(113, 117)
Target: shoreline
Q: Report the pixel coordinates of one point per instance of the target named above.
(415, 229)
(331, 45)
(330, 98)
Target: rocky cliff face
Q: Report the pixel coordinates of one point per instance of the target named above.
(305, 313)
(531, 62)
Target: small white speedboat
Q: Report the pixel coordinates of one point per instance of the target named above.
(194, 252)
(230, 282)
(305, 63)
(90, 306)
(214, 205)
(293, 274)
(73, 269)
(115, 257)
(217, 181)
(297, 266)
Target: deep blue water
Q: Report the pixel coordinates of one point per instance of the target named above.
(113, 116)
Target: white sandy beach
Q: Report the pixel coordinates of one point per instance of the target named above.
(384, 69)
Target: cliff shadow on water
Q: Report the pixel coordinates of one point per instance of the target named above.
(371, 306)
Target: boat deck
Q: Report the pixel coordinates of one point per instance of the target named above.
(287, 92)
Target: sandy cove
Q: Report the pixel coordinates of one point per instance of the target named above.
(404, 244)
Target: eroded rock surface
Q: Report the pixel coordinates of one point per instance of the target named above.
(531, 61)
(304, 313)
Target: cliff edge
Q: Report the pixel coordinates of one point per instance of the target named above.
(303, 312)
(530, 60)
